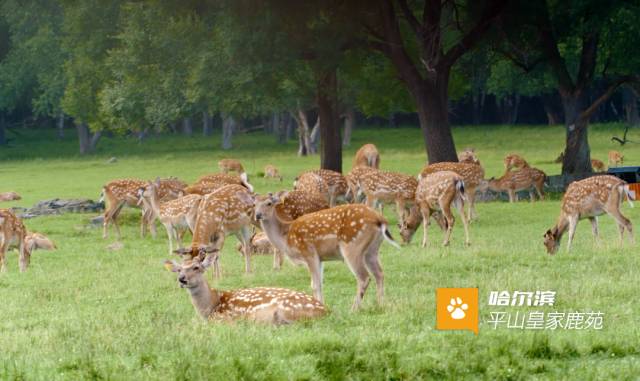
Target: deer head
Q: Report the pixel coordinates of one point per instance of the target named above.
(266, 208)
(552, 240)
(190, 273)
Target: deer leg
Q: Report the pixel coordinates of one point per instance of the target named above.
(3, 251)
(594, 227)
(170, 233)
(355, 260)
(25, 256)
(540, 191)
(573, 223)
(277, 258)
(532, 196)
(245, 237)
(426, 220)
(459, 205)
(623, 223)
(372, 261)
(400, 210)
(471, 196)
(315, 268)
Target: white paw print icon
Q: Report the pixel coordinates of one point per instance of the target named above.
(456, 308)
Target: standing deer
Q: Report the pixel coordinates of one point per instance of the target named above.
(598, 165)
(435, 195)
(590, 198)
(12, 233)
(354, 178)
(515, 181)
(367, 156)
(174, 215)
(336, 184)
(514, 161)
(231, 165)
(383, 186)
(472, 174)
(615, 158)
(268, 305)
(210, 183)
(468, 156)
(272, 172)
(352, 233)
(310, 182)
(229, 210)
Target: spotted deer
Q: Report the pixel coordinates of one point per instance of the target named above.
(272, 172)
(336, 184)
(268, 305)
(175, 215)
(367, 156)
(515, 181)
(313, 183)
(229, 210)
(468, 156)
(389, 187)
(258, 245)
(598, 165)
(38, 241)
(9, 196)
(12, 233)
(352, 233)
(590, 198)
(615, 158)
(435, 195)
(231, 165)
(210, 183)
(353, 178)
(513, 160)
(472, 174)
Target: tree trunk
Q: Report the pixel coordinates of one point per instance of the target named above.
(349, 125)
(477, 99)
(304, 140)
(187, 127)
(3, 137)
(393, 123)
(289, 126)
(630, 104)
(87, 141)
(514, 110)
(207, 122)
(314, 136)
(552, 114)
(228, 125)
(327, 99)
(433, 112)
(577, 158)
(279, 128)
(61, 125)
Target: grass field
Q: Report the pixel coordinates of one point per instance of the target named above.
(84, 312)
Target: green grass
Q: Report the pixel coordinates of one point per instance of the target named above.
(84, 312)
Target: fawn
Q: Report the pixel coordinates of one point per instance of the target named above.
(514, 181)
(367, 156)
(272, 172)
(514, 161)
(615, 158)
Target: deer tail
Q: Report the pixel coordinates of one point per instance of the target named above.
(627, 191)
(387, 235)
(460, 189)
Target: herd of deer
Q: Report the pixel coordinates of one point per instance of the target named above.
(327, 216)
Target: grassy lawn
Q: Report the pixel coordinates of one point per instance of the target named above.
(84, 312)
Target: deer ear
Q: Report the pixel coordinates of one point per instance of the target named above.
(172, 266)
(246, 197)
(209, 260)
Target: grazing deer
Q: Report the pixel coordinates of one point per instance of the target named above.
(231, 165)
(268, 305)
(354, 177)
(229, 210)
(210, 183)
(272, 172)
(387, 187)
(590, 198)
(472, 174)
(38, 241)
(468, 156)
(174, 215)
(10, 196)
(514, 161)
(615, 158)
(336, 184)
(515, 181)
(367, 156)
(598, 165)
(436, 192)
(12, 233)
(349, 232)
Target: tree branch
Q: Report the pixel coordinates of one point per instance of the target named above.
(411, 19)
(587, 59)
(586, 114)
(550, 50)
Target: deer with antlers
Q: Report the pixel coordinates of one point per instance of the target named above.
(349, 232)
(334, 184)
(435, 195)
(229, 210)
(513, 160)
(590, 198)
(367, 156)
(268, 305)
(515, 181)
(175, 215)
(389, 187)
(472, 174)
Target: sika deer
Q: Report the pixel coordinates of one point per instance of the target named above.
(436, 192)
(261, 304)
(468, 156)
(272, 172)
(12, 233)
(367, 156)
(312, 183)
(354, 178)
(9, 196)
(598, 165)
(229, 210)
(615, 158)
(174, 215)
(336, 184)
(210, 183)
(590, 198)
(389, 187)
(231, 165)
(472, 174)
(514, 161)
(352, 233)
(515, 181)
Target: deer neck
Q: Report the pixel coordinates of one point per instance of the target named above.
(561, 226)
(204, 299)
(277, 231)
(154, 203)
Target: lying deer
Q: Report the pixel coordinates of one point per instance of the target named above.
(175, 215)
(272, 172)
(9, 196)
(352, 233)
(515, 181)
(513, 160)
(367, 156)
(472, 174)
(37, 241)
(261, 304)
(436, 192)
(229, 210)
(598, 165)
(388, 187)
(231, 165)
(615, 158)
(590, 198)
(336, 184)
(258, 245)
